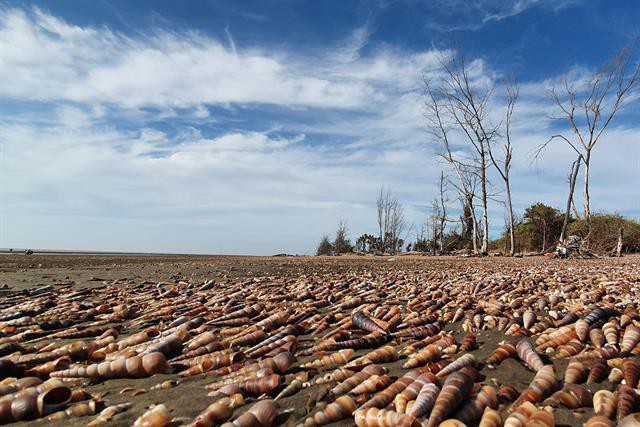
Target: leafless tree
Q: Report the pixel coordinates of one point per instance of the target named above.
(465, 184)
(588, 108)
(503, 165)
(455, 98)
(442, 203)
(391, 220)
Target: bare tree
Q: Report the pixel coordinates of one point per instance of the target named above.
(435, 115)
(342, 244)
(503, 166)
(465, 103)
(391, 220)
(588, 108)
(442, 202)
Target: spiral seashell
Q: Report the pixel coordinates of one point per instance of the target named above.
(108, 413)
(295, 386)
(569, 349)
(630, 339)
(349, 383)
(248, 339)
(607, 352)
(343, 407)
(576, 372)
(563, 336)
(424, 401)
(542, 385)
(507, 394)
(571, 396)
(362, 321)
(258, 386)
(529, 415)
(455, 389)
(381, 355)
(374, 417)
(504, 351)
(411, 392)
(372, 384)
(133, 367)
(528, 319)
(605, 403)
(631, 371)
(582, 329)
(611, 330)
(490, 418)
(473, 410)
(596, 336)
(631, 420)
(528, 355)
(156, 416)
(599, 421)
(338, 358)
(431, 353)
(218, 412)
(464, 361)
(468, 343)
(627, 400)
(261, 414)
(615, 376)
(384, 397)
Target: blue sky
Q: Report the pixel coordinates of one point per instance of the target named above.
(253, 127)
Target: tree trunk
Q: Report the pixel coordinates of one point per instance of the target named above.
(474, 221)
(575, 168)
(586, 200)
(512, 236)
(620, 239)
(485, 214)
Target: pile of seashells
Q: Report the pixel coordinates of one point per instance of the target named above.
(377, 349)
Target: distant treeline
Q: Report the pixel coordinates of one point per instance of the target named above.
(538, 231)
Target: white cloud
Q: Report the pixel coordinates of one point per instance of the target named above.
(79, 177)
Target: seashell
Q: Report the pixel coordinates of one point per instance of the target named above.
(53, 400)
(528, 319)
(627, 400)
(631, 420)
(349, 383)
(630, 339)
(424, 401)
(631, 371)
(468, 343)
(615, 376)
(490, 418)
(258, 386)
(473, 410)
(598, 371)
(339, 358)
(576, 372)
(571, 396)
(607, 352)
(582, 329)
(218, 412)
(374, 417)
(542, 385)
(464, 361)
(504, 351)
(528, 355)
(108, 413)
(343, 407)
(381, 355)
(569, 349)
(261, 414)
(605, 403)
(362, 321)
(133, 367)
(372, 384)
(156, 416)
(455, 390)
(412, 391)
(294, 387)
(507, 394)
(431, 353)
(611, 330)
(384, 397)
(596, 336)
